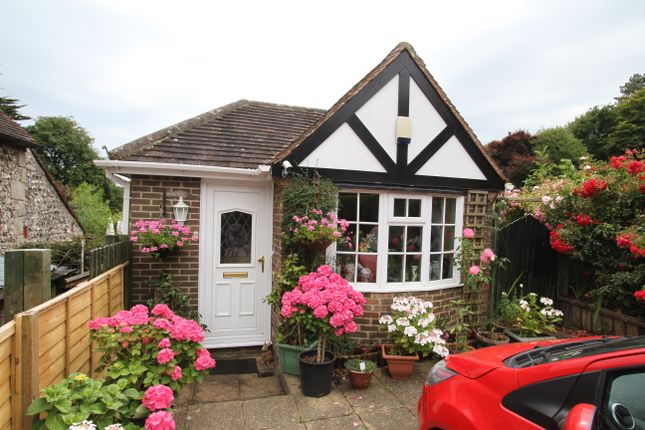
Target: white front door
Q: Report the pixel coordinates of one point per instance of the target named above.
(235, 265)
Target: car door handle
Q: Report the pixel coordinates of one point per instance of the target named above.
(261, 261)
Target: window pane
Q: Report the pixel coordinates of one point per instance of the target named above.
(366, 268)
(414, 208)
(435, 238)
(368, 238)
(437, 210)
(369, 207)
(236, 234)
(399, 207)
(351, 233)
(435, 267)
(447, 266)
(412, 266)
(396, 239)
(451, 205)
(347, 206)
(413, 243)
(346, 266)
(449, 238)
(394, 268)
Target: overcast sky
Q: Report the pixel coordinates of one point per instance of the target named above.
(123, 69)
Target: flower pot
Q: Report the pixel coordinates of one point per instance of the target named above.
(319, 245)
(372, 356)
(360, 380)
(518, 338)
(490, 338)
(315, 378)
(399, 366)
(288, 354)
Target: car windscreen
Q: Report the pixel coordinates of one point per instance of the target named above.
(564, 351)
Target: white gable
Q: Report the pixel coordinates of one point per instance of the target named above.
(451, 161)
(379, 114)
(343, 149)
(426, 122)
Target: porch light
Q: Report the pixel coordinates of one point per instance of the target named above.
(181, 211)
(403, 130)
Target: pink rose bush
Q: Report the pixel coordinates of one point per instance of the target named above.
(412, 326)
(155, 237)
(475, 265)
(324, 302)
(155, 351)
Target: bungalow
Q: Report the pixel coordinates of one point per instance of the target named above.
(406, 162)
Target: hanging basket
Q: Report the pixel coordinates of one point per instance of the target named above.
(319, 245)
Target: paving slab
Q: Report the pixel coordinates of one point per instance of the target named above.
(399, 419)
(332, 405)
(218, 388)
(373, 399)
(292, 383)
(278, 412)
(185, 396)
(218, 415)
(253, 387)
(345, 422)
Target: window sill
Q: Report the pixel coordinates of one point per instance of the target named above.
(401, 288)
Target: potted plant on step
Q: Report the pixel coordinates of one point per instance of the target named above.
(528, 318)
(360, 372)
(412, 328)
(326, 304)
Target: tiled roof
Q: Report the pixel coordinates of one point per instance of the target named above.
(243, 134)
(12, 133)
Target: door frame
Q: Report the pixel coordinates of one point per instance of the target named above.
(264, 225)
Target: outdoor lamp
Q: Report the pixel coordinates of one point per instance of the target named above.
(403, 130)
(181, 211)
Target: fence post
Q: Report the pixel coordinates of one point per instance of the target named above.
(29, 365)
(27, 279)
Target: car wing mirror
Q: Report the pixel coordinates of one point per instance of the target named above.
(580, 417)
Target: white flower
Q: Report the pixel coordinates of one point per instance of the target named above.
(425, 322)
(587, 167)
(114, 427)
(385, 319)
(83, 425)
(532, 294)
(440, 350)
(410, 331)
(422, 338)
(391, 328)
(525, 305)
(584, 158)
(558, 199)
(546, 301)
(546, 199)
(546, 312)
(557, 312)
(403, 322)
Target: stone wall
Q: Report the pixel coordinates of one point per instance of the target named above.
(145, 204)
(30, 208)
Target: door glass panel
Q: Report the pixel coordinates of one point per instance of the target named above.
(236, 237)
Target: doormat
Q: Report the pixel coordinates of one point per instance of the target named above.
(227, 366)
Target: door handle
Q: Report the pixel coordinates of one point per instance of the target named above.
(261, 261)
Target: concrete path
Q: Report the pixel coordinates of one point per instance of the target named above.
(250, 402)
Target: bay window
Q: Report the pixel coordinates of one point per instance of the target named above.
(417, 235)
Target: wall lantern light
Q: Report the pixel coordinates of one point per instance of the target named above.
(181, 211)
(403, 130)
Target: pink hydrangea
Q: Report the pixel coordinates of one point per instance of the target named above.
(204, 360)
(474, 270)
(157, 397)
(183, 329)
(162, 324)
(161, 420)
(165, 355)
(162, 310)
(176, 373)
(164, 343)
(126, 329)
(469, 233)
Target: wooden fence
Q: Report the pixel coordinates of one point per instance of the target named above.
(603, 321)
(43, 345)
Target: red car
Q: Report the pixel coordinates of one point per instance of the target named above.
(573, 384)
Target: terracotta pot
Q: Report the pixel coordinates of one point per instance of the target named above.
(490, 338)
(360, 380)
(399, 366)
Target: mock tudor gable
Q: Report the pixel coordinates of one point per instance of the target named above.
(356, 142)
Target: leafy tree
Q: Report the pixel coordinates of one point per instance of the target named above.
(559, 143)
(635, 83)
(92, 210)
(514, 155)
(68, 153)
(629, 131)
(593, 129)
(10, 106)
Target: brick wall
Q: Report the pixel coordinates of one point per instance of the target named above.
(278, 187)
(146, 203)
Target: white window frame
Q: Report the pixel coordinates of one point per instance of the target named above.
(386, 219)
